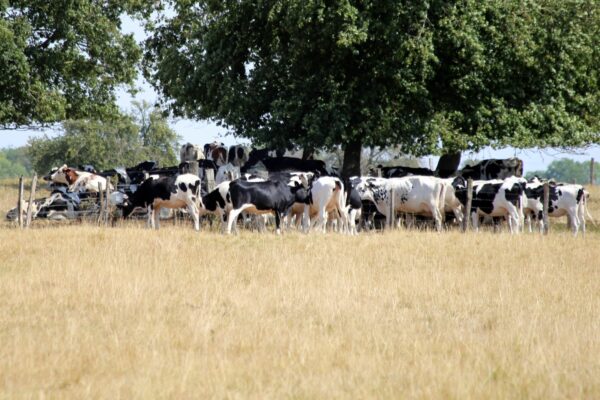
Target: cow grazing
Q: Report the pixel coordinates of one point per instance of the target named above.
(167, 192)
(237, 155)
(190, 152)
(493, 169)
(412, 194)
(216, 152)
(265, 197)
(565, 199)
(494, 198)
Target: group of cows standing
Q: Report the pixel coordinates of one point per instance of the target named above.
(308, 195)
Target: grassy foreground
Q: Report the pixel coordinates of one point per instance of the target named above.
(131, 313)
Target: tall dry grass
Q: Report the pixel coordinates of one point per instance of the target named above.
(128, 312)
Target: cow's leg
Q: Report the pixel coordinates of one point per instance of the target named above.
(150, 217)
(157, 217)
(233, 215)
(193, 210)
(572, 214)
(277, 222)
(475, 221)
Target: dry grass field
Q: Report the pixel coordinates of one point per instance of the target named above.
(127, 312)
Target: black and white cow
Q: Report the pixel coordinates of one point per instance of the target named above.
(493, 169)
(265, 197)
(565, 199)
(354, 207)
(326, 198)
(412, 194)
(237, 155)
(494, 198)
(169, 192)
(190, 152)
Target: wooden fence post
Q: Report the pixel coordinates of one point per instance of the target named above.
(392, 210)
(210, 179)
(20, 203)
(592, 171)
(107, 197)
(546, 206)
(467, 215)
(31, 199)
(101, 203)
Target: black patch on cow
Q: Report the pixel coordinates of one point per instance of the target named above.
(183, 187)
(149, 190)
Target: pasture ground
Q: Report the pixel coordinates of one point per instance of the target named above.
(132, 313)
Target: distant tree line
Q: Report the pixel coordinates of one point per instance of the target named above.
(567, 170)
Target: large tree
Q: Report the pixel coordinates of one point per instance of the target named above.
(63, 59)
(430, 76)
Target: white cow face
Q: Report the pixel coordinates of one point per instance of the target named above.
(59, 176)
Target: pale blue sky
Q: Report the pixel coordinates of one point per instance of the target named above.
(201, 132)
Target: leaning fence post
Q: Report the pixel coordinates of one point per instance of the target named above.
(20, 203)
(546, 206)
(31, 199)
(468, 206)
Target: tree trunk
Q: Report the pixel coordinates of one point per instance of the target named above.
(308, 153)
(352, 153)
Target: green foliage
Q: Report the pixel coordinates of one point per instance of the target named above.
(63, 60)
(462, 74)
(567, 170)
(123, 141)
(14, 163)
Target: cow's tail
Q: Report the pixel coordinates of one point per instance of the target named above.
(584, 210)
(341, 205)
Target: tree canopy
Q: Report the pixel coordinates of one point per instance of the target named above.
(432, 77)
(63, 59)
(126, 141)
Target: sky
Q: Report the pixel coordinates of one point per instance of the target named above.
(200, 132)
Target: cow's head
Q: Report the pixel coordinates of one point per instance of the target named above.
(57, 175)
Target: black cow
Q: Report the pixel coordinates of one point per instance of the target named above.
(169, 192)
(493, 169)
(400, 171)
(265, 197)
(286, 164)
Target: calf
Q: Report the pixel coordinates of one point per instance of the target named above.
(412, 194)
(169, 192)
(494, 198)
(564, 199)
(265, 197)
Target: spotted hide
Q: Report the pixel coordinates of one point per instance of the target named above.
(169, 192)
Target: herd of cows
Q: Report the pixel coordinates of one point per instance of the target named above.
(308, 195)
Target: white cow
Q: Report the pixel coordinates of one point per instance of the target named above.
(412, 194)
(327, 197)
